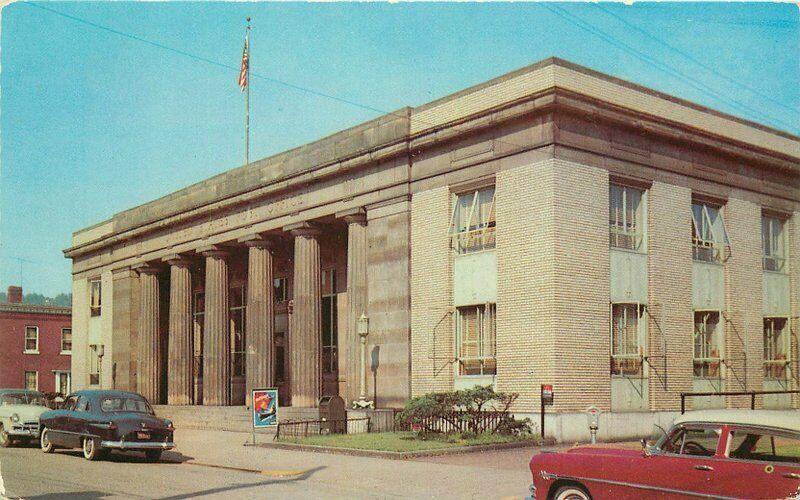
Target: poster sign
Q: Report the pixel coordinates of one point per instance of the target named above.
(265, 408)
(547, 395)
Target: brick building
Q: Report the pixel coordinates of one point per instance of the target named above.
(554, 225)
(35, 345)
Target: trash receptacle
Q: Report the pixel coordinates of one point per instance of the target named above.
(332, 414)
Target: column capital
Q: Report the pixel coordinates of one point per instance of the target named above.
(353, 215)
(146, 268)
(258, 241)
(217, 251)
(177, 259)
(306, 229)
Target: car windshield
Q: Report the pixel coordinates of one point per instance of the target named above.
(125, 404)
(22, 398)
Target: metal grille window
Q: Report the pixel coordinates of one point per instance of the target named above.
(281, 289)
(476, 339)
(330, 359)
(94, 297)
(236, 302)
(66, 340)
(709, 236)
(32, 381)
(773, 240)
(707, 344)
(776, 348)
(472, 225)
(627, 339)
(625, 217)
(31, 339)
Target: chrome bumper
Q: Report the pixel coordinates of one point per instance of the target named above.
(133, 445)
(23, 430)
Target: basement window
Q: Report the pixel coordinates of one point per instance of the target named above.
(476, 339)
(776, 348)
(773, 240)
(707, 344)
(625, 217)
(709, 237)
(472, 224)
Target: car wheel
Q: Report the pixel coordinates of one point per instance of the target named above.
(571, 492)
(5, 439)
(45, 443)
(91, 449)
(152, 455)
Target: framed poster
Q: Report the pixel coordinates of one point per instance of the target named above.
(265, 407)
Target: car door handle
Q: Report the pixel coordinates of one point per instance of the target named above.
(703, 467)
(791, 475)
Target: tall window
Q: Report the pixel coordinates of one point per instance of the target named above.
(63, 382)
(198, 314)
(625, 217)
(31, 339)
(707, 346)
(66, 340)
(627, 341)
(776, 348)
(476, 339)
(94, 367)
(709, 237)
(94, 297)
(330, 358)
(237, 300)
(472, 226)
(773, 240)
(281, 289)
(32, 381)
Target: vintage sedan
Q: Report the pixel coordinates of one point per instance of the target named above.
(709, 453)
(99, 421)
(19, 415)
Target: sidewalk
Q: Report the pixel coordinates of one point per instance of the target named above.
(350, 476)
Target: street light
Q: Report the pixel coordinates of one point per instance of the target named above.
(362, 328)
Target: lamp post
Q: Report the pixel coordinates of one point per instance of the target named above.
(362, 327)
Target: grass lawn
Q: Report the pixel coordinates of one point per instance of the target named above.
(401, 441)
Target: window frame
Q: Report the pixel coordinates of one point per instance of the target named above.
(480, 343)
(25, 349)
(777, 247)
(66, 351)
(25, 379)
(238, 357)
(95, 309)
(718, 240)
(783, 365)
(485, 231)
(282, 283)
(57, 375)
(641, 339)
(772, 432)
(638, 234)
(708, 361)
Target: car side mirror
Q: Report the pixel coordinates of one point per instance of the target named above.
(645, 448)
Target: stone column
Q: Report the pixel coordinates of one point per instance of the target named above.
(306, 325)
(259, 318)
(356, 297)
(216, 330)
(180, 353)
(148, 380)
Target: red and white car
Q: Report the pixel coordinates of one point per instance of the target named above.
(707, 454)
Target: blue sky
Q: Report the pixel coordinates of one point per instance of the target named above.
(93, 122)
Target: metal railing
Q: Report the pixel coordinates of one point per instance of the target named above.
(752, 395)
(459, 421)
(305, 428)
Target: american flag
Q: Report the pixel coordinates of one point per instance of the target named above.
(245, 65)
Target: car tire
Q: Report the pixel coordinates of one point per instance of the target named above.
(44, 442)
(571, 492)
(5, 439)
(152, 455)
(92, 449)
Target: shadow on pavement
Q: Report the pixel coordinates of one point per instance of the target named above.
(135, 457)
(302, 477)
(70, 496)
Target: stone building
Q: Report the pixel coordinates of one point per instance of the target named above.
(552, 226)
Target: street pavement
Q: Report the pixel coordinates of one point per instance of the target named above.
(217, 464)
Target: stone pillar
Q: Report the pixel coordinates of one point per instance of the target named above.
(259, 319)
(180, 383)
(356, 297)
(216, 330)
(306, 324)
(148, 380)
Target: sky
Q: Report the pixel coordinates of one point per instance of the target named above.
(108, 105)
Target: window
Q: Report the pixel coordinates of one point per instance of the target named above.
(330, 355)
(237, 299)
(693, 441)
(83, 404)
(707, 344)
(31, 339)
(472, 226)
(94, 297)
(66, 340)
(627, 339)
(126, 404)
(63, 382)
(776, 348)
(773, 240)
(198, 314)
(625, 217)
(32, 381)
(94, 367)
(763, 445)
(476, 339)
(281, 287)
(709, 237)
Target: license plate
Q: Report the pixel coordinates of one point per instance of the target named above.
(142, 435)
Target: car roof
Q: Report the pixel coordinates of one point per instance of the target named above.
(778, 419)
(92, 393)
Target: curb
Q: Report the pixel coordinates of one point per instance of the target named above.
(405, 455)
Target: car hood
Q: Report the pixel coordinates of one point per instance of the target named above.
(25, 412)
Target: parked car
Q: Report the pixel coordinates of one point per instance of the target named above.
(99, 421)
(710, 453)
(19, 415)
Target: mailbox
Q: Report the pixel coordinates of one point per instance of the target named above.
(332, 415)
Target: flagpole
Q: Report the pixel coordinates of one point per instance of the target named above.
(247, 100)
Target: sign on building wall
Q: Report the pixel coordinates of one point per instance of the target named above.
(265, 407)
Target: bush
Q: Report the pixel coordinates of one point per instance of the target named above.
(469, 411)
